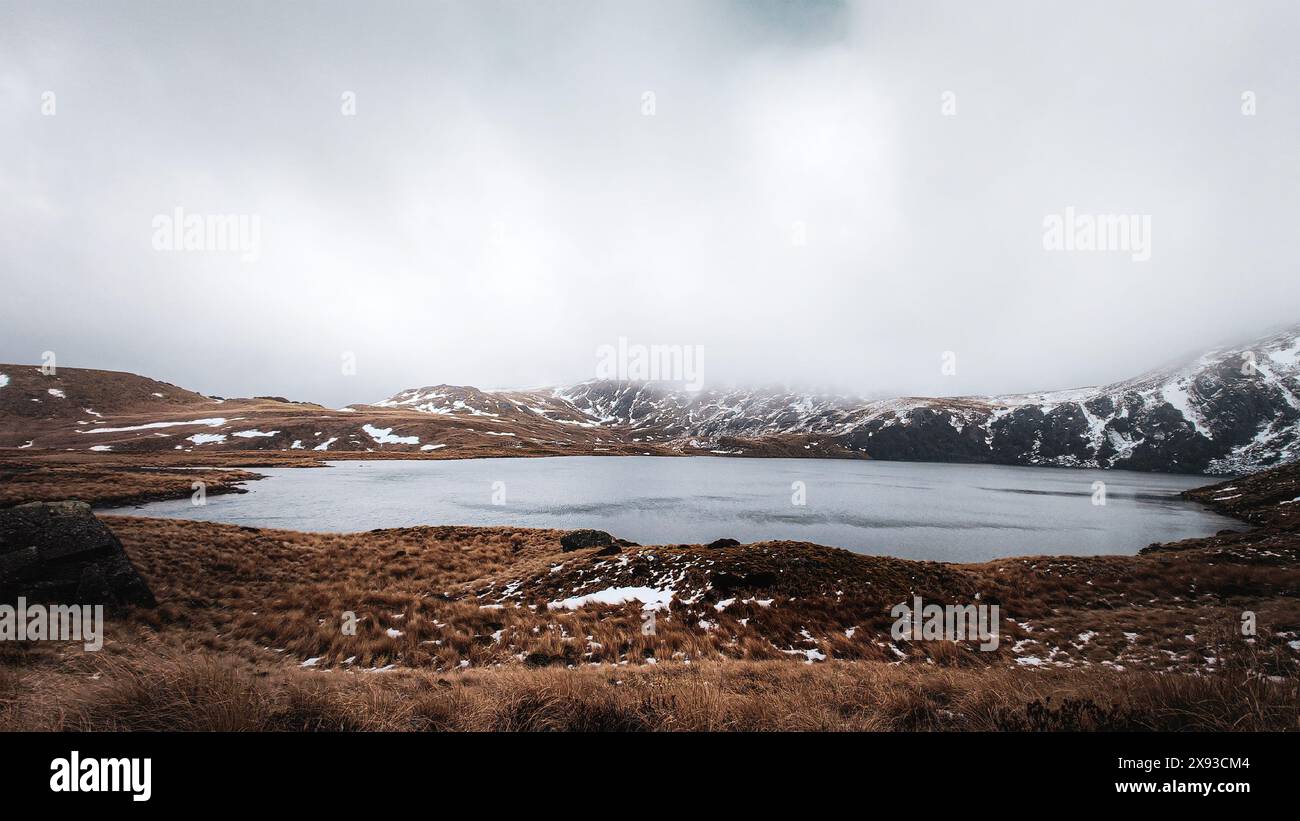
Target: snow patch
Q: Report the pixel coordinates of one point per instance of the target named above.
(384, 436)
(214, 422)
(650, 598)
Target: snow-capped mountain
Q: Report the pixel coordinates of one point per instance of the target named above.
(1232, 409)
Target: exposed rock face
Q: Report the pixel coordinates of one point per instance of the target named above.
(578, 539)
(59, 552)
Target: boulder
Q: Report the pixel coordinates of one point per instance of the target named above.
(758, 580)
(717, 543)
(58, 552)
(578, 539)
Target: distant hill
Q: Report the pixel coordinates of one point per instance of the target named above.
(1229, 410)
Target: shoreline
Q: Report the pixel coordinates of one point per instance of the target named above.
(465, 615)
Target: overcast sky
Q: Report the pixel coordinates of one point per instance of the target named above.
(794, 197)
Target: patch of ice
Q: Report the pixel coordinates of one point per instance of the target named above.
(254, 433)
(431, 447)
(207, 438)
(57, 393)
(326, 444)
(101, 448)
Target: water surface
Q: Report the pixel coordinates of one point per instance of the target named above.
(914, 510)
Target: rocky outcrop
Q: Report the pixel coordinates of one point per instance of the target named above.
(59, 552)
(579, 539)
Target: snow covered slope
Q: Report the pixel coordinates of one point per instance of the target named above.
(1230, 410)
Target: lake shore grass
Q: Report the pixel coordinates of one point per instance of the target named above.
(455, 629)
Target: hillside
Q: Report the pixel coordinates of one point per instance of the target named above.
(1229, 410)
(505, 628)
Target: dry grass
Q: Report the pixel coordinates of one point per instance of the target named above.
(151, 691)
(108, 484)
(454, 632)
(442, 598)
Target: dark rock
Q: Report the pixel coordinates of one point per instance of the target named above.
(59, 552)
(717, 543)
(724, 581)
(578, 539)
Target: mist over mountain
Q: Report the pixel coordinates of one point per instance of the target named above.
(1229, 410)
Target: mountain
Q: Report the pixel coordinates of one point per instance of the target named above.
(1230, 410)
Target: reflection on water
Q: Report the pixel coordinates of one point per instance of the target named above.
(914, 510)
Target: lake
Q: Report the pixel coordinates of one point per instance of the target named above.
(945, 512)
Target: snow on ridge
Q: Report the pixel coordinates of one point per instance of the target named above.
(214, 422)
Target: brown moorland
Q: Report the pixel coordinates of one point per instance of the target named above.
(468, 628)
